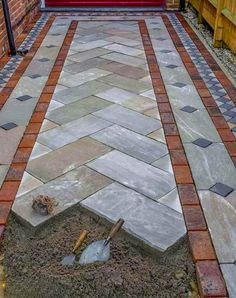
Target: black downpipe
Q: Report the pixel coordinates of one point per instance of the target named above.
(182, 5)
(10, 35)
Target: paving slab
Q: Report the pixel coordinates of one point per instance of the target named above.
(116, 95)
(28, 183)
(68, 190)
(206, 171)
(77, 109)
(67, 133)
(129, 119)
(196, 125)
(229, 273)
(73, 80)
(145, 219)
(3, 172)
(126, 59)
(146, 179)
(221, 220)
(65, 159)
(70, 95)
(126, 83)
(131, 143)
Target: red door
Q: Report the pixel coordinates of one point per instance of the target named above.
(105, 3)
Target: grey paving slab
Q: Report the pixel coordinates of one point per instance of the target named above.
(40, 68)
(83, 66)
(151, 222)
(49, 53)
(181, 97)
(47, 125)
(206, 171)
(115, 47)
(9, 141)
(172, 201)
(116, 95)
(131, 143)
(126, 83)
(28, 183)
(73, 80)
(221, 220)
(67, 158)
(28, 86)
(135, 174)
(229, 273)
(164, 163)
(77, 109)
(140, 104)
(158, 135)
(63, 135)
(24, 111)
(3, 172)
(80, 57)
(125, 59)
(68, 190)
(129, 119)
(89, 45)
(39, 150)
(73, 94)
(154, 113)
(124, 41)
(196, 125)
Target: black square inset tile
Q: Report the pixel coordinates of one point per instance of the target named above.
(8, 126)
(172, 66)
(202, 143)
(221, 189)
(188, 109)
(24, 97)
(166, 51)
(50, 46)
(44, 60)
(161, 38)
(179, 85)
(35, 76)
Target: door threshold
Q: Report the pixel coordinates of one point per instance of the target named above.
(104, 9)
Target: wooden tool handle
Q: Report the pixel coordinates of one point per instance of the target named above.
(80, 241)
(115, 229)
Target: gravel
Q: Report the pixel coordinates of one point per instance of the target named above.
(225, 55)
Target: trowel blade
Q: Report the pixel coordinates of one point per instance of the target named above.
(95, 252)
(68, 260)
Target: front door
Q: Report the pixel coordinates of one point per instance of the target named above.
(76, 3)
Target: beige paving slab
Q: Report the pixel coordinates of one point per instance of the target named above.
(68, 190)
(65, 159)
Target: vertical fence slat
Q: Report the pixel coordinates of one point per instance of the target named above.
(219, 26)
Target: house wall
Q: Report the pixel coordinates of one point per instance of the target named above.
(22, 12)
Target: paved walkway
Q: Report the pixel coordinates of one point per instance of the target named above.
(133, 130)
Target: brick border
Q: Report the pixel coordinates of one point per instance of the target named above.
(15, 173)
(6, 58)
(14, 79)
(210, 279)
(227, 137)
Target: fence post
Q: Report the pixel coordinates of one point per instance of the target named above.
(200, 10)
(218, 30)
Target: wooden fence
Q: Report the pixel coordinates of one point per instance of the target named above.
(221, 16)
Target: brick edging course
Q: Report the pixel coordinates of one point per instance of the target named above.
(14, 79)
(210, 279)
(220, 123)
(15, 173)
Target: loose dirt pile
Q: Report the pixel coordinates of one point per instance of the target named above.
(32, 264)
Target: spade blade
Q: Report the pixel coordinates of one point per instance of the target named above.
(95, 252)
